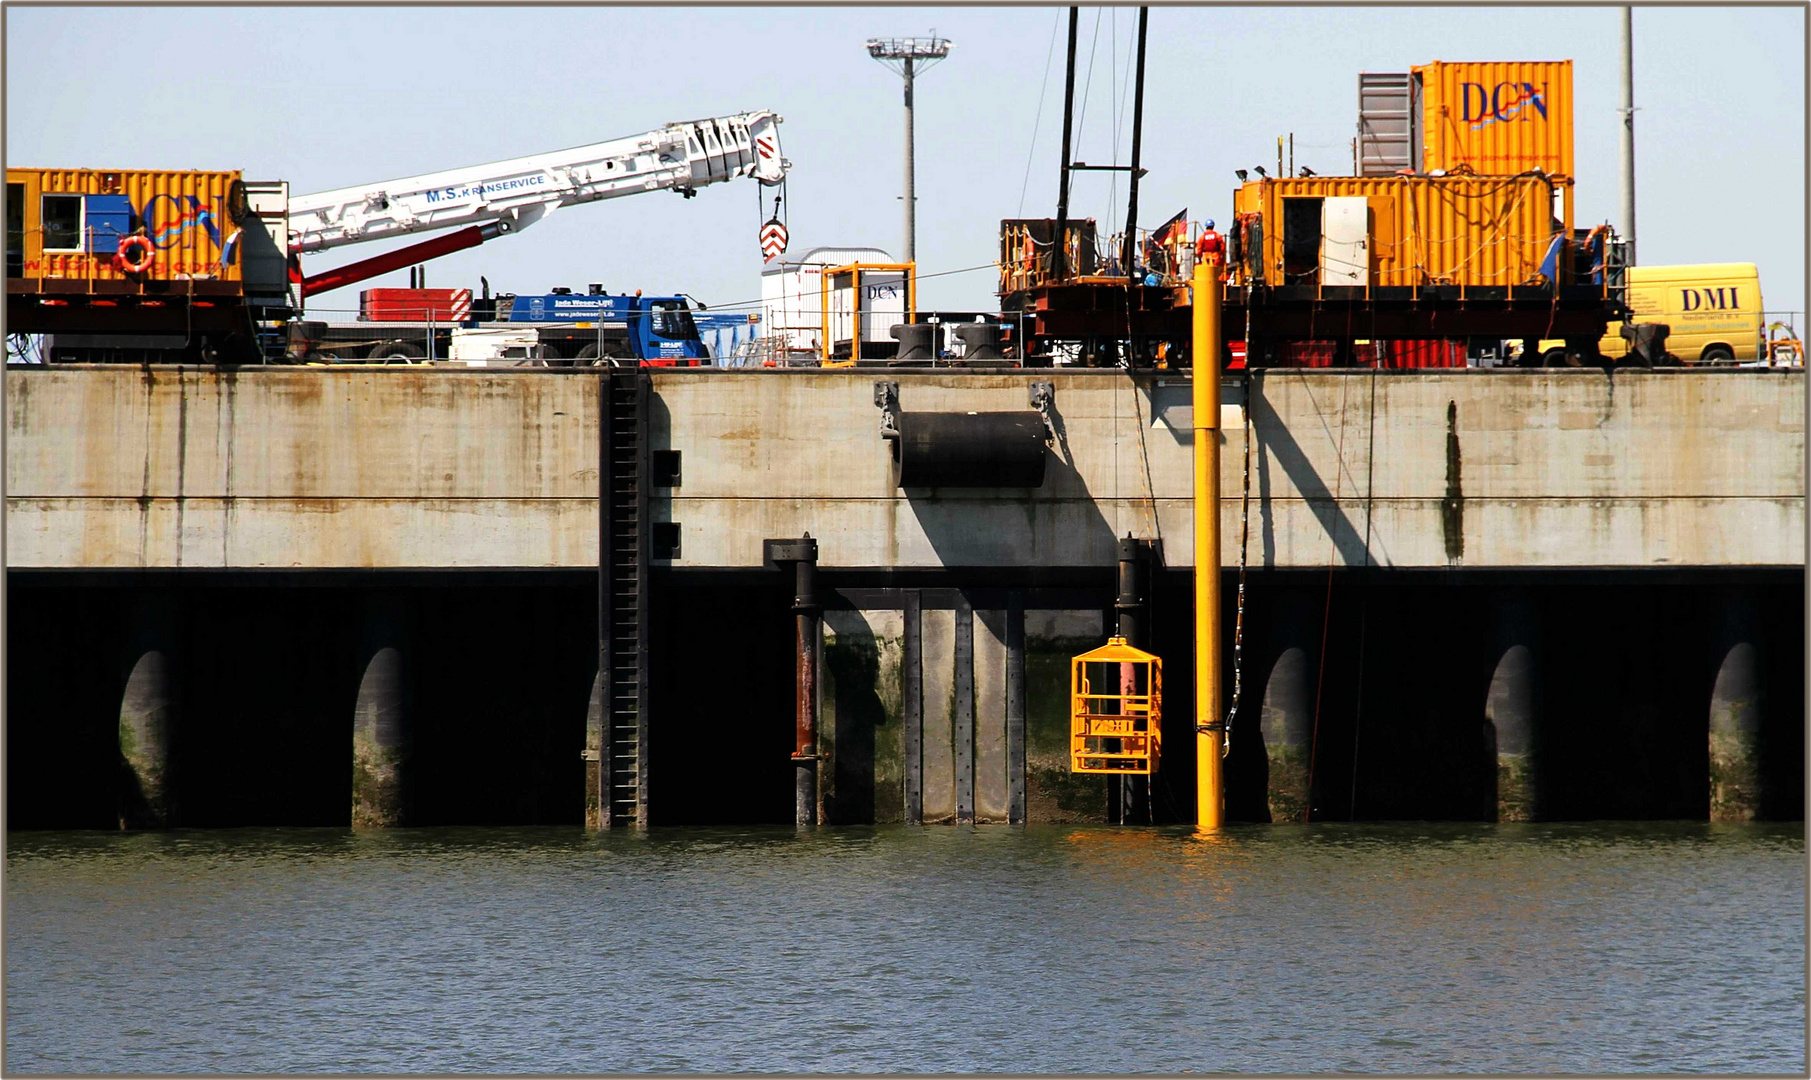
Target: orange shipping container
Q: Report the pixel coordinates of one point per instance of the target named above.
(68, 225)
(1416, 230)
(1497, 118)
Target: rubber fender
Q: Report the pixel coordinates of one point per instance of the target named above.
(995, 449)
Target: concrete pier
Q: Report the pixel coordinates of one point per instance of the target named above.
(1287, 721)
(1737, 711)
(282, 503)
(1510, 710)
(383, 722)
(148, 716)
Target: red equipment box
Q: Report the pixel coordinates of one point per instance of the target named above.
(415, 305)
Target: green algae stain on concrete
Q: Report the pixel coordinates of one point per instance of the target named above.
(1288, 782)
(376, 785)
(1515, 787)
(1052, 793)
(1735, 787)
(861, 727)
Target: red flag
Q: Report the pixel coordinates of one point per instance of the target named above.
(1175, 229)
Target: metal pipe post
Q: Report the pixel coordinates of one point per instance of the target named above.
(912, 690)
(1127, 259)
(1060, 256)
(1628, 134)
(807, 618)
(1131, 608)
(911, 190)
(1210, 800)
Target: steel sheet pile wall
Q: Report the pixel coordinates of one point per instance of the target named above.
(1467, 231)
(1497, 118)
(187, 216)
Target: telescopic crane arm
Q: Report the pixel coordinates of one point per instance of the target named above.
(507, 196)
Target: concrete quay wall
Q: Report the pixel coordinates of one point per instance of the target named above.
(410, 467)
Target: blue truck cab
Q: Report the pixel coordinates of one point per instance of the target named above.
(657, 330)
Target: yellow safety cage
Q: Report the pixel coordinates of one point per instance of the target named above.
(1116, 707)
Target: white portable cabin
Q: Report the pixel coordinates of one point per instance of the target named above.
(792, 300)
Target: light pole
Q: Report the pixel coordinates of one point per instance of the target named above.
(1628, 134)
(904, 55)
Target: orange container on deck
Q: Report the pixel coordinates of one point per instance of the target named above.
(66, 227)
(1497, 118)
(1397, 231)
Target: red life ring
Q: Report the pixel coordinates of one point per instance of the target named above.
(147, 250)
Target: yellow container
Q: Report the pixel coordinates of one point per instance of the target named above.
(1497, 118)
(66, 225)
(1419, 231)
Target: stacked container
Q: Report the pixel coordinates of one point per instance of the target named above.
(1496, 118)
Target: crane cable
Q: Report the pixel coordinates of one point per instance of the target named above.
(1043, 88)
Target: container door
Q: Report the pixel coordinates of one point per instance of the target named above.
(1345, 241)
(883, 303)
(264, 244)
(1388, 128)
(15, 230)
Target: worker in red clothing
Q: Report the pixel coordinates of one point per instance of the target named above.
(1210, 246)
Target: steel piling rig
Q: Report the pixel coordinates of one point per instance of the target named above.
(1109, 310)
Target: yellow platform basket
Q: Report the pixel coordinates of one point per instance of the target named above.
(1116, 710)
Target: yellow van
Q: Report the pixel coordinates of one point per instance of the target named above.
(1714, 311)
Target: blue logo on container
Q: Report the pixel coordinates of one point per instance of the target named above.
(1504, 102)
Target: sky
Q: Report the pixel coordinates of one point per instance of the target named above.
(327, 97)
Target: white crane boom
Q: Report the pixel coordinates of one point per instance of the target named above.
(511, 195)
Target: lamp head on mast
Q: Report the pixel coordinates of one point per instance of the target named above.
(922, 51)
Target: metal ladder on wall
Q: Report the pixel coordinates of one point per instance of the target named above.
(623, 600)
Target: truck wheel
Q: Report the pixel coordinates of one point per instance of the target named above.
(587, 355)
(1717, 354)
(396, 350)
(1554, 358)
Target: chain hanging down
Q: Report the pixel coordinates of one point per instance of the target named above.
(1238, 633)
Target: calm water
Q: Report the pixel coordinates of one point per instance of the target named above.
(1274, 949)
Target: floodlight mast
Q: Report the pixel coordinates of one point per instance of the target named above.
(905, 55)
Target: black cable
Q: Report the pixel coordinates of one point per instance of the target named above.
(1043, 89)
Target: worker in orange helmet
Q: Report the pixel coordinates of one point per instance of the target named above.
(1210, 246)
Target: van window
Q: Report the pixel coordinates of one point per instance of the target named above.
(15, 230)
(62, 220)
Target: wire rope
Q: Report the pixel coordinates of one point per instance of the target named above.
(1043, 89)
